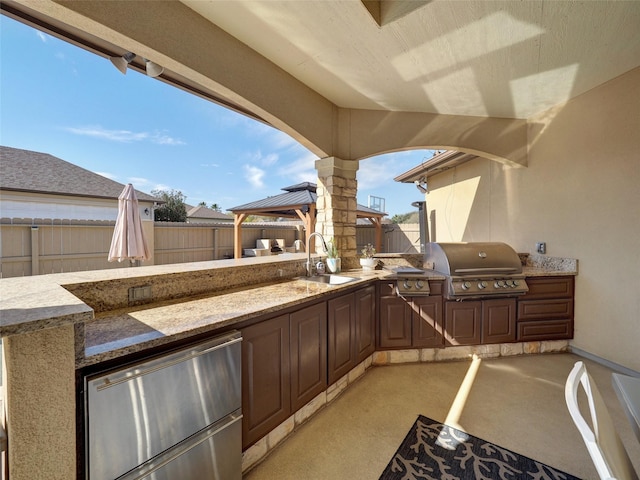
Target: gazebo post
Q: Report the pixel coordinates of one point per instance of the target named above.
(377, 221)
(302, 201)
(309, 219)
(237, 234)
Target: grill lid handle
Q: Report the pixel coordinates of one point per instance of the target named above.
(487, 270)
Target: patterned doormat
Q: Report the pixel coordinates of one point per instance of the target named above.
(432, 450)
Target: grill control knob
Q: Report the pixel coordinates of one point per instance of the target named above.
(482, 285)
(419, 285)
(466, 285)
(499, 284)
(406, 285)
(515, 283)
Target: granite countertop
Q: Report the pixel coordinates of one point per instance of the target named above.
(536, 265)
(188, 299)
(545, 272)
(120, 332)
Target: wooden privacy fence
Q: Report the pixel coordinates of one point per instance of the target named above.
(40, 246)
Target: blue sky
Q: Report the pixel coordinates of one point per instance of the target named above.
(62, 100)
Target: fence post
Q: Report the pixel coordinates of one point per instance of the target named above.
(215, 244)
(35, 250)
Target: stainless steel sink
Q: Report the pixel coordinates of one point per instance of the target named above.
(331, 279)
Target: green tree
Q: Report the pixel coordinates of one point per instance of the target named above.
(173, 210)
(214, 206)
(410, 217)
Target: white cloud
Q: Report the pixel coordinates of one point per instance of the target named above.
(281, 140)
(254, 175)
(41, 36)
(301, 169)
(165, 140)
(264, 160)
(270, 159)
(139, 181)
(274, 138)
(215, 165)
(375, 172)
(124, 136)
(165, 188)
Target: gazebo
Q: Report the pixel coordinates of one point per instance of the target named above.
(298, 201)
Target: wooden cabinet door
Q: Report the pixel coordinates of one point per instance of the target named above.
(546, 311)
(341, 354)
(549, 309)
(549, 287)
(427, 322)
(266, 391)
(462, 323)
(499, 320)
(395, 322)
(308, 331)
(365, 322)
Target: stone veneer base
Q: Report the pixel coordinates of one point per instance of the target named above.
(259, 451)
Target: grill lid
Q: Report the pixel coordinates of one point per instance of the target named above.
(473, 258)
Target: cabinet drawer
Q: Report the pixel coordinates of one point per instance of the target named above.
(549, 287)
(544, 309)
(545, 330)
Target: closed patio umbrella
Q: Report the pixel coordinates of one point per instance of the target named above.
(128, 240)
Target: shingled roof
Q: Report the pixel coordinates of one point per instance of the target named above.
(205, 212)
(35, 172)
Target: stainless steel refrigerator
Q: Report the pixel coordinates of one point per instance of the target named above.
(177, 415)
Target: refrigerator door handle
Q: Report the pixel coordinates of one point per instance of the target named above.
(118, 378)
(163, 459)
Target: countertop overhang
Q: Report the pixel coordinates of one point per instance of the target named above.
(117, 333)
(192, 304)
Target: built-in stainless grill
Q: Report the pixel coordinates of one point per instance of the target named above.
(411, 281)
(477, 269)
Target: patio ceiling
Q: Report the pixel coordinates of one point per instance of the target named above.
(491, 58)
(502, 59)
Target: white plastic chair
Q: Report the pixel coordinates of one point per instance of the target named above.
(605, 447)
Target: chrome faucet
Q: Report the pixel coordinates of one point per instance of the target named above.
(324, 246)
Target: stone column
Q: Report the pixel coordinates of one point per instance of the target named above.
(41, 404)
(337, 205)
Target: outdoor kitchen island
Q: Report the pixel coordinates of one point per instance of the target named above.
(45, 326)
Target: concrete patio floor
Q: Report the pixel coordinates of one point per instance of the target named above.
(515, 402)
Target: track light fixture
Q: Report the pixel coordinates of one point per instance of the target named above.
(153, 69)
(421, 185)
(121, 63)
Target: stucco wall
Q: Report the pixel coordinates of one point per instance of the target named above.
(37, 205)
(581, 194)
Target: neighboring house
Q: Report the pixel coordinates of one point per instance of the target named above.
(39, 185)
(201, 214)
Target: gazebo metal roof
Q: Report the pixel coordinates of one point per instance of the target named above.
(298, 201)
